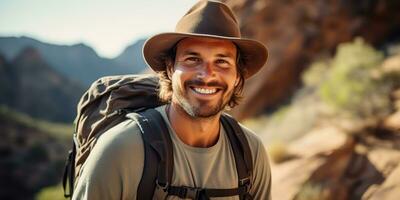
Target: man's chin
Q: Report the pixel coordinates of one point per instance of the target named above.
(196, 108)
(205, 114)
(204, 111)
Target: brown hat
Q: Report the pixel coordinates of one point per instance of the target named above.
(211, 19)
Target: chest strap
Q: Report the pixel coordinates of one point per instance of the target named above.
(185, 192)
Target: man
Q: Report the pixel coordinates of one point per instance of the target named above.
(202, 67)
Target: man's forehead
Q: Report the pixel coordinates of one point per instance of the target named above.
(219, 46)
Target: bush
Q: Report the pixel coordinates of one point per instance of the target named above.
(350, 86)
(315, 74)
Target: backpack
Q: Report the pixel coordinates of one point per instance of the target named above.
(107, 103)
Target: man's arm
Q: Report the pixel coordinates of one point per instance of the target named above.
(114, 167)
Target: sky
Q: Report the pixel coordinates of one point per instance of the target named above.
(106, 25)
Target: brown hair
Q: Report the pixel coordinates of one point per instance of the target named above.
(165, 91)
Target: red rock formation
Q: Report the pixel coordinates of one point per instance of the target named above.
(359, 159)
(296, 32)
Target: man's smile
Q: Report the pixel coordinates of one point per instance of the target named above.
(205, 91)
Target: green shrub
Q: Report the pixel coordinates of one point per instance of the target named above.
(315, 74)
(349, 86)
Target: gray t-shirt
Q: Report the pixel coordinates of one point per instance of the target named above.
(114, 167)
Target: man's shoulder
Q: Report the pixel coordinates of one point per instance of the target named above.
(251, 136)
(124, 135)
(126, 131)
(115, 162)
(253, 139)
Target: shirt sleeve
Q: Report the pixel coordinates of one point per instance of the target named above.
(114, 167)
(261, 175)
(261, 188)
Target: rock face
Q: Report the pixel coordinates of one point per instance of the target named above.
(296, 32)
(335, 162)
(390, 188)
(362, 166)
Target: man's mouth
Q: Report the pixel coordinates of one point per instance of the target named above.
(206, 91)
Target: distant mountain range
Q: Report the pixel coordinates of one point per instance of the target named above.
(132, 56)
(30, 85)
(78, 62)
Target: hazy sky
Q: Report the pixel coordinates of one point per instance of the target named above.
(106, 25)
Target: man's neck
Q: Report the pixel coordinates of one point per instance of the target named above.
(196, 132)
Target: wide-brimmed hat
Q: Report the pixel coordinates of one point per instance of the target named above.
(210, 19)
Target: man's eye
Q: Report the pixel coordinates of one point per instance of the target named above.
(222, 63)
(219, 61)
(192, 59)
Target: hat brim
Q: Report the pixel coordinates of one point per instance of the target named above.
(253, 54)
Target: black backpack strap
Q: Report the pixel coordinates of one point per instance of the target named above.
(241, 151)
(69, 171)
(158, 162)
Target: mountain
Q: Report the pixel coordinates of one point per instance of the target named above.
(132, 56)
(6, 77)
(30, 85)
(77, 62)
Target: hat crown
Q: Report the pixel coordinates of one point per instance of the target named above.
(210, 18)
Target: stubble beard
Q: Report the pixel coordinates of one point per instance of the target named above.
(200, 109)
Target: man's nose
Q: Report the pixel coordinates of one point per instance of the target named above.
(206, 70)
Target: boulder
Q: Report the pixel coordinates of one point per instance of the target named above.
(390, 189)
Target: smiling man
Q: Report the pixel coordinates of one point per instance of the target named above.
(203, 79)
(202, 67)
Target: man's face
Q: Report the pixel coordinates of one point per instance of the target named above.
(204, 75)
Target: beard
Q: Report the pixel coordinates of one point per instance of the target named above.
(201, 108)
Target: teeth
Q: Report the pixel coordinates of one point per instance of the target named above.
(205, 91)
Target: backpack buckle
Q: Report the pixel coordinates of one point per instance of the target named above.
(190, 192)
(161, 191)
(245, 182)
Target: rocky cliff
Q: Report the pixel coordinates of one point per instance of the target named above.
(296, 32)
(349, 149)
